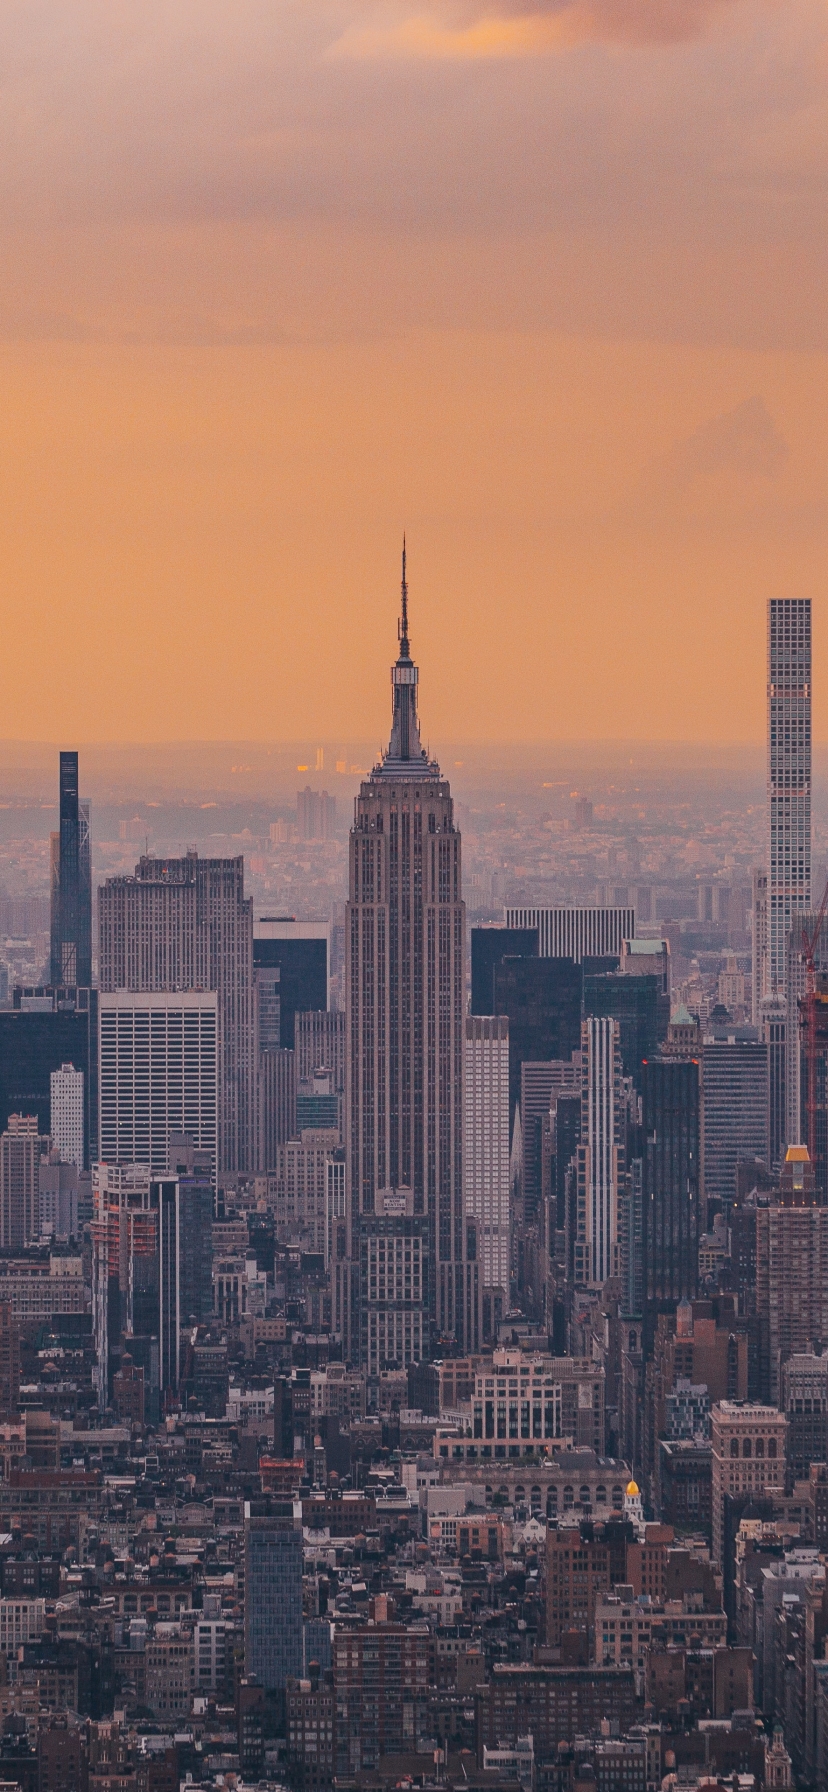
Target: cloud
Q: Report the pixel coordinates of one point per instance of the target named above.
(746, 441)
(174, 169)
(731, 464)
(512, 29)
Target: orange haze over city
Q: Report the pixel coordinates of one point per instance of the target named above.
(541, 282)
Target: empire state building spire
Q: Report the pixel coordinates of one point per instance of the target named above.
(405, 756)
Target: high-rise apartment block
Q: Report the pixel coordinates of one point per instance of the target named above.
(577, 933)
(158, 1074)
(71, 885)
(181, 926)
(789, 778)
(405, 956)
(67, 1114)
(21, 1148)
(601, 1156)
(315, 814)
(486, 1153)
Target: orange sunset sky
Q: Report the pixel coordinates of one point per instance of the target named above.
(545, 284)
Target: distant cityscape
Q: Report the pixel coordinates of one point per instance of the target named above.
(414, 1273)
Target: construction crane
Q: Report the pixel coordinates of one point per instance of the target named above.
(808, 1016)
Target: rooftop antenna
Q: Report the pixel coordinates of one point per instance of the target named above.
(402, 630)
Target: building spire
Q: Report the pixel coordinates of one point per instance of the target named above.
(405, 752)
(402, 627)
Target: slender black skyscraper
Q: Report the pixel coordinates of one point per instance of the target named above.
(405, 945)
(71, 955)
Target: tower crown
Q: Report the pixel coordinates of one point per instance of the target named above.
(406, 756)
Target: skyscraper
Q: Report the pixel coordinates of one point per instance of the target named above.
(66, 1104)
(299, 951)
(405, 946)
(759, 941)
(71, 880)
(540, 1086)
(489, 945)
(735, 1114)
(542, 998)
(21, 1148)
(791, 1270)
(158, 1074)
(193, 1169)
(182, 925)
(486, 1156)
(641, 1008)
(671, 1096)
(789, 777)
(273, 1593)
(601, 1154)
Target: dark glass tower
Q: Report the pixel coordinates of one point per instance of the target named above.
(671, 1090)
(642, 1010)
(542, 998)
(71, 930)
(405, 945)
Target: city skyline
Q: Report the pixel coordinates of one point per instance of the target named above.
(414, 1127)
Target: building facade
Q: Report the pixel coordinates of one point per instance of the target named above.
(577, 932)
(789, 777)
(71, 885)
(791, 1270)
(735, 1113)
(405, 978)
(273, 1640)
(182, 927)
(601, 1154)
(671, 1103)
(67, 1108)
(21, 1148)
(158, 1067)
(395, 1274)
(748, 1452)
(486, 1149)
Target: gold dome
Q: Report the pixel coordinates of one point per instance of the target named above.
(632, 1490)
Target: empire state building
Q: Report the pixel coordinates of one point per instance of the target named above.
(405, 943)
